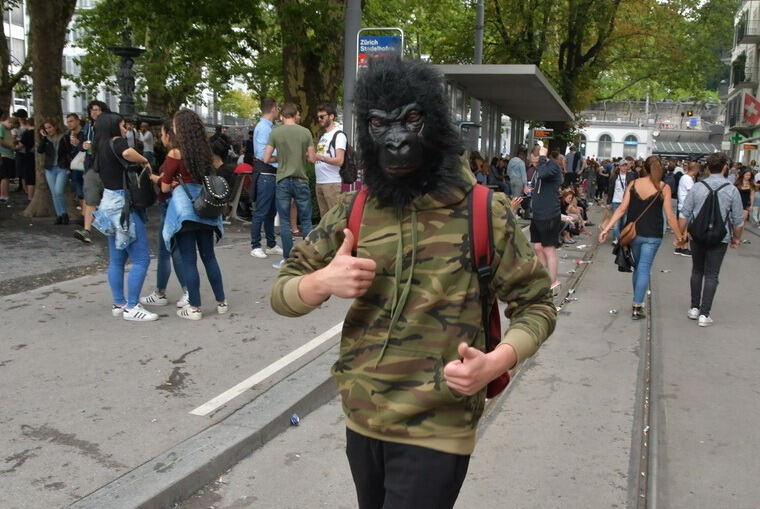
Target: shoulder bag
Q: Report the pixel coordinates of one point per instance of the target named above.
(214, 196)
(138, 187)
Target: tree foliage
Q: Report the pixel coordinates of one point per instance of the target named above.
(239, 102)
(190, 46)
(8, 79)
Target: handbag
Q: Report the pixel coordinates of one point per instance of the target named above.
(214, 196)
(77, 163)
(629, 231)
(138, 187)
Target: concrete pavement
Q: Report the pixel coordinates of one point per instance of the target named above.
(88, 397)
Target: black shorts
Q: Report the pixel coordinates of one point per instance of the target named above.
(25, 168)
(545, 231)
(7, 168)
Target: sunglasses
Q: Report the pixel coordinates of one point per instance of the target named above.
(320, 117)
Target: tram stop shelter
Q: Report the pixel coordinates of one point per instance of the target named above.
(520, 92)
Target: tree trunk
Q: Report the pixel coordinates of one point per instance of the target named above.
(312, 55)
(49, 20)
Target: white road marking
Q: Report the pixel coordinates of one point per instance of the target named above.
(265, 373)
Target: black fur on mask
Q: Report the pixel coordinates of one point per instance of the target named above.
(390, 83)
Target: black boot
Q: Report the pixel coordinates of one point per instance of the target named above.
(58, 220)
(65, 218)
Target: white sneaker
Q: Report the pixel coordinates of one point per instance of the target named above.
(222, 307)
(276, 250)
(184, 301)
(117, 311)
(189, 313)
(154, 299)
(139, 314)
(279, 264)
(693, 313)
(258, 253)
(705, 321)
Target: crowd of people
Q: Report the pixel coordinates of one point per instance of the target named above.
(555, 192)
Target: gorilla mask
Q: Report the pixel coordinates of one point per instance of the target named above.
(408, 145)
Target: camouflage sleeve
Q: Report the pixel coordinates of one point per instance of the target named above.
(314, 253)
(522, 282)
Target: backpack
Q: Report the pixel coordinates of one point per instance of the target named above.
(708, 228)
(214, 196)
(348, 171)
(670, 179)
(481, 253)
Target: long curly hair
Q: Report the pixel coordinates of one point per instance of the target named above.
(191, 140)
(390, 83)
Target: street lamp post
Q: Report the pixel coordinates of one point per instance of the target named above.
(126, 75)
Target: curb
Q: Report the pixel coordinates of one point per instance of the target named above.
(182, 470)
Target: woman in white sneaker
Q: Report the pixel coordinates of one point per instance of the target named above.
(165, 259)
(126, 233)
(191, 160)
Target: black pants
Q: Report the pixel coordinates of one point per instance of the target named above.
(388, 475)
(705, 266)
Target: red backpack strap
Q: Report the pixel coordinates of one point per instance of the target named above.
(481, 252)
(481, 229)
(355, 212)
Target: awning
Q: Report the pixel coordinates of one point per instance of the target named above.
(684, 147)
(520, 91)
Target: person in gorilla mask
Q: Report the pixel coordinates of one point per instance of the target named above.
(412, 370)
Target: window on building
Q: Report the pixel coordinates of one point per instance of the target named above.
(18, 50)
(17, 16)
(630, 146)
(605, 146)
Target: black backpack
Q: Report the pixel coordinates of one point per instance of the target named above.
(709, 227)
(348, 171)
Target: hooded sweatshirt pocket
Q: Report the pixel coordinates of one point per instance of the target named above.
(404, 394)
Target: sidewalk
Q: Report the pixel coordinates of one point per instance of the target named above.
(708, 397)
(87, 397)
(561, 437)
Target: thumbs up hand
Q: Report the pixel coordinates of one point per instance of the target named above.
(345, 276)
(477, 369)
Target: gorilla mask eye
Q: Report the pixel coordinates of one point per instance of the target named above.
(413, 116)
(376, 122)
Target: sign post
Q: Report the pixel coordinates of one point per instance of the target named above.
(369, 46)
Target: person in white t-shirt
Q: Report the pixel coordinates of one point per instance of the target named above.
(146, 137)
(684, 186)
(330, 152)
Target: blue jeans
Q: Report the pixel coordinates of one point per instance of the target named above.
(619, 225)
(56, 180)
(265, 211)
(77, 183)
(644, 250)
(289, 189)
(204, 240)
(139, 253)
(164, 263)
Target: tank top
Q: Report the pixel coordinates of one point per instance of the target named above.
(651, 223)
(745, 194)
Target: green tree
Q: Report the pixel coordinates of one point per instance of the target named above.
(312, 53)
(241, 103)
(8, 79)
(190, 46)
(49, 20)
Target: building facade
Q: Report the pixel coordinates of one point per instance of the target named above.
(742, 127)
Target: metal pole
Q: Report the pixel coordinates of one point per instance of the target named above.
(352, 26)
(479, 22)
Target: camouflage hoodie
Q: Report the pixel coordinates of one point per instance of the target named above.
(398, 337)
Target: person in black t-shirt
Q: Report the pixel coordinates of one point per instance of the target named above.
(127, 237)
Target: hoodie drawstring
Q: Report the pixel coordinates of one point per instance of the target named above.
(399, 302)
